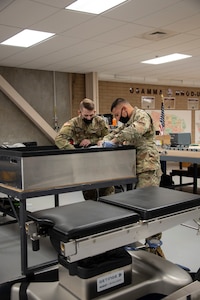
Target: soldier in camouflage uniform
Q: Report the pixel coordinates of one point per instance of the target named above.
(82, 131)
(138, 130)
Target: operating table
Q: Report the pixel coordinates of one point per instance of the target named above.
(90, 238)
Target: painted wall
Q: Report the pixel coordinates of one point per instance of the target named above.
(38, 89)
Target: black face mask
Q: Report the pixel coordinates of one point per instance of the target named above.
(124, 119)
(87, 121)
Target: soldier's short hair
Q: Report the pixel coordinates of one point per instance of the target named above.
(117, 102)
(87, 104)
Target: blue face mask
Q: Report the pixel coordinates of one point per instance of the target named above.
(124, 119)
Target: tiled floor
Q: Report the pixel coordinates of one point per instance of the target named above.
(181, 244)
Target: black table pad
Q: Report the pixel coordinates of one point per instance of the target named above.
(151, 202)
(82, 219)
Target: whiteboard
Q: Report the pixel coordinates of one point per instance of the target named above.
(197, 126)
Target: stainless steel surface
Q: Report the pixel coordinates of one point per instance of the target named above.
(181, 156)
(190, 292)
(150, 274)
(73, 169)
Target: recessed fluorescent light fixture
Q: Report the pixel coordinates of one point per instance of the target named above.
(27, 38)
(166, 59)
(94, 6)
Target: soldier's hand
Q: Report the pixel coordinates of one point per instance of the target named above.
(100, 143)
(85, 143)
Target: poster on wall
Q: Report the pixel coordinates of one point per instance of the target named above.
(193, 103)
(147, 102)
(169, 102)
(176, 121)
(197, 126)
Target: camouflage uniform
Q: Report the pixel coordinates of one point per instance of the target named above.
(139, 131)
(76, 130)
(73, 132)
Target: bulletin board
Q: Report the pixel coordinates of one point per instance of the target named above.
(176, 121)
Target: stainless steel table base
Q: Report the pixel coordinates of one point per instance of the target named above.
(150, 275)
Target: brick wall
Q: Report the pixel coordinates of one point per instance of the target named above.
(109, 91)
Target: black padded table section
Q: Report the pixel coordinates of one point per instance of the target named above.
(82, 219)
(151, 202)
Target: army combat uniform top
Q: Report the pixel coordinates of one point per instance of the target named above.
(77, 130)
(139, 132)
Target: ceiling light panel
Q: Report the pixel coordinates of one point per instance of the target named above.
(94, 6)
(166, 59)
(27, 38)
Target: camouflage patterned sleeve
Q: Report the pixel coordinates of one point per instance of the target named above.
(137, 126)
(112, 134)
(64, 136)
(104, 128)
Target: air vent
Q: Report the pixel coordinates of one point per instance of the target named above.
(157, 35)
